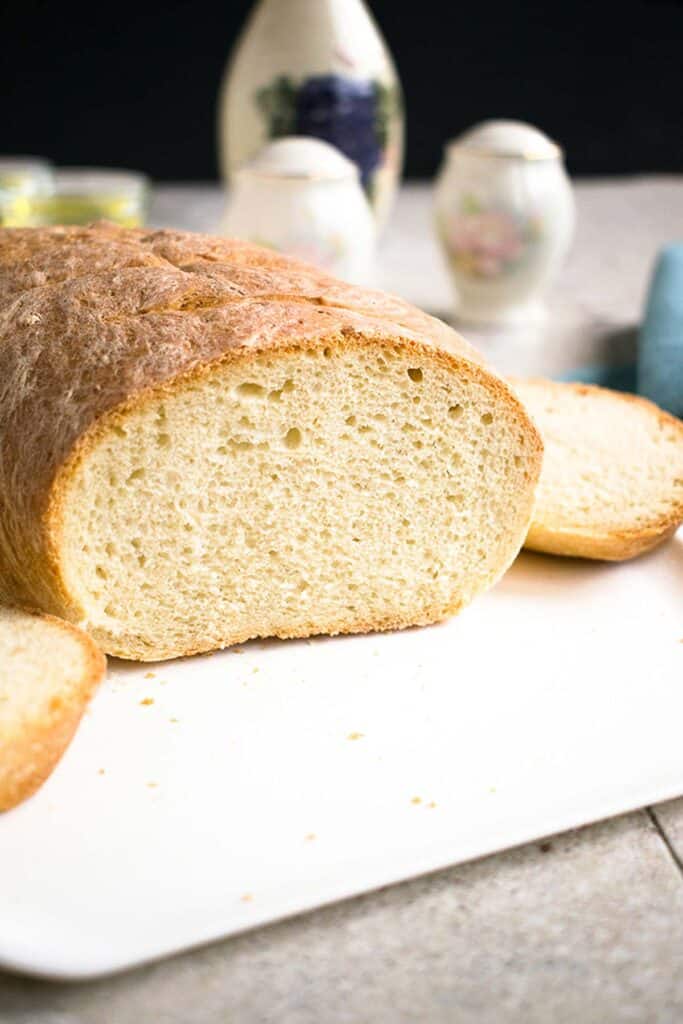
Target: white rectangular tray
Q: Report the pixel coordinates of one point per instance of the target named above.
(263, 783)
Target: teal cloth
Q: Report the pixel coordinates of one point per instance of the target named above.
(658, 373)
(619, 378)
(660, 348)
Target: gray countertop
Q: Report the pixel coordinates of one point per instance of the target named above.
(586, 927)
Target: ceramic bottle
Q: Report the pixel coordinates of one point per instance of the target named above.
(318, 68)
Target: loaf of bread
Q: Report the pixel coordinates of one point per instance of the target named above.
(204, 441)
(612, 480)
(48, 671)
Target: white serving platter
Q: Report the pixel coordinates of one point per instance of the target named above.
(264, 783)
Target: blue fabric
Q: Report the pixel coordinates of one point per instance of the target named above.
(660, 349)
(619, 378)
(658, 374)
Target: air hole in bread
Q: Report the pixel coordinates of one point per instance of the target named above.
(250, 390)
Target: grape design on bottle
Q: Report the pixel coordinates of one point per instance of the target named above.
(353, 115)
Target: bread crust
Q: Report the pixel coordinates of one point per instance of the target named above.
(603, 542)
(89, 348)
(35, 257)
(29, 754)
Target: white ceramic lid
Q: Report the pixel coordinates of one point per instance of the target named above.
(507, 139)
(302, 158)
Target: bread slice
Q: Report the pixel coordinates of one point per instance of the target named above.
(48, 671)
(231, 445)
(612, 480)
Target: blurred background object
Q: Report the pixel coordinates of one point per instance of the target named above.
(318, 68)
(22, 180)
(301, 196)
(136, 85)
(660, 350)
(83, 194)
(505, 218)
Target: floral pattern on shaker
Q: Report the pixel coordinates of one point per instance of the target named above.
(489, 241)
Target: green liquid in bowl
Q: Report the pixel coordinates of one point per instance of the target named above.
(82, 209)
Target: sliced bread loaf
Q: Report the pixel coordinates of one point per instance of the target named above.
(612, 479)
(48, 671)
(230, 445)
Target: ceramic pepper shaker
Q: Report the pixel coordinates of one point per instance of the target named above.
(318, 68)
(303, 197)
(505, 218)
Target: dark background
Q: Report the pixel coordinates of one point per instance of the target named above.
(135, 84)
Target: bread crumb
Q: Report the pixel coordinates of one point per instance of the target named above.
(255, 669)
(247, 897)
(150, 675)
(416, 800)
(173, 721)
(237, 650)
(152, 785)
(355, 736)
(310, 837)
(431, 805)
(101, 771)
(147, 701)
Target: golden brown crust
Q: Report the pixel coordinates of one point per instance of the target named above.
(30, 754)
(605, 543)
(162, 307)
(34, 257)
(617, 546)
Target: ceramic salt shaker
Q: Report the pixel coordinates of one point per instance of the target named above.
(505, 219)
(319, 68)
(303, 197)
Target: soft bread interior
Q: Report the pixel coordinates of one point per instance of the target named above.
(37, 660)
(612, 479)
(47, 673)
(337, 490)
